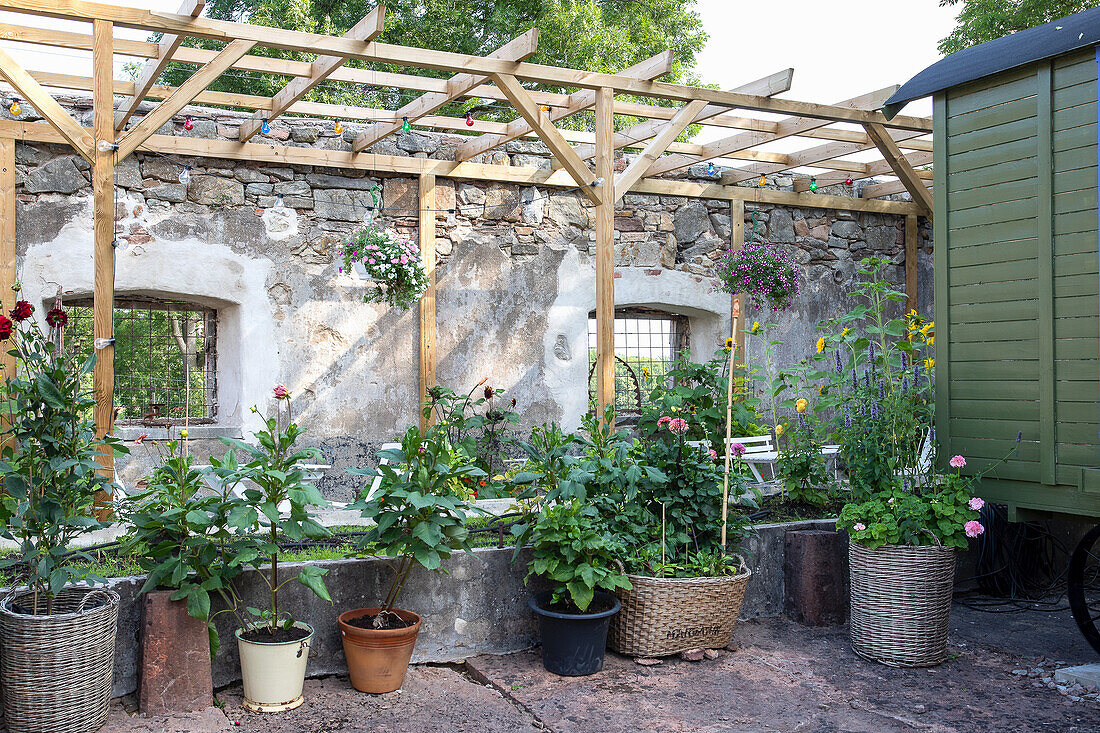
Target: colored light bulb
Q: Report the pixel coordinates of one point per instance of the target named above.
(187, 123)
(469, 119)
(710, 168)
(813, 184)
(338, 128)
(185, 175)
(265, 127)
(405, 124)
(763, 180)
(848, 181)
(15, 109)
(545, 108)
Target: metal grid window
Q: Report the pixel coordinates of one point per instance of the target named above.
(648, 343)
(165, 358)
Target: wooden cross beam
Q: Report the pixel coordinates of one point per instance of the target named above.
(651, 68)
(80, 138)
(904, 171)
(889, 188)
(152, 69)
(458, 85)
(868, 170)
(549, 134)
(802, 158)
(774, 84)
(384, 53)
(786, 128)
(185, 94)
(365, 30)
(641, 164)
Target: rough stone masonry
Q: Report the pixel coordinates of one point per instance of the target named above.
(515, 272)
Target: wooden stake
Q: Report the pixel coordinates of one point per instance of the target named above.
(737, 344)
(911, 235)
(605, 253)
(428, 347)
(103, 189)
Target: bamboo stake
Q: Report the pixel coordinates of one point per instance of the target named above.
(735, 309)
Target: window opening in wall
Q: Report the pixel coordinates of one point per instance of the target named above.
(648, 342)
(165, 358)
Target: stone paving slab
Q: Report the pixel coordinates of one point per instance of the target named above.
(433, 699)
(785, 677)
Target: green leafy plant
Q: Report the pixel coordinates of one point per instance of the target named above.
(277, 504)
(183, 539)
(802, 467)
(418, 518)
(571, 548)
(48, 461)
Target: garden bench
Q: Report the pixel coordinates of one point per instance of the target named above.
(760, 450)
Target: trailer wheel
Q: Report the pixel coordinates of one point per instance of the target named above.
(1078, 603)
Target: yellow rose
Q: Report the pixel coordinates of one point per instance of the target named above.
(821, 344)
(800, 405)
(778, 430)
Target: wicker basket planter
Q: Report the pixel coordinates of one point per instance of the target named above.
(901, 603)
(662, 616)
(56, 671)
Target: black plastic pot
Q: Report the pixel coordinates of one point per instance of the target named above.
(573, 645)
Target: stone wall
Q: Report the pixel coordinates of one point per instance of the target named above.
(516, 274)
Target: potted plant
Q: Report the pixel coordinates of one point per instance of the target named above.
(57, 641)
(419, 520)
(392, 263)
(273, 645)
(686, 586)
(905, 519)
(766, 273)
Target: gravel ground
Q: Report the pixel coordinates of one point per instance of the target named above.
(777, 676)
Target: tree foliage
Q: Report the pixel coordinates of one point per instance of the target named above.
(984, 20)
(593, 35)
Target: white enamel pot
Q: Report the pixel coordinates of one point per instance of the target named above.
(273, 674)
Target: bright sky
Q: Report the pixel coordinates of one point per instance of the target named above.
(838, 48)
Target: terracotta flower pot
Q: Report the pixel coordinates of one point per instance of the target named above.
(378, 658)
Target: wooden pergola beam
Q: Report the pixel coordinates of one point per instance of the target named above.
(786, 128)
(888, 188)
(185, 93)
(315, 43)
(152, 69)
(549, 134)
(904, 171)
(458, 85)
(650, 68)
(868, 170)
(365, 30)
(776, 83)
(79, 138)
(642, 163)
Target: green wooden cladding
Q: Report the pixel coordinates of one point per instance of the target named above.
(1016, 288)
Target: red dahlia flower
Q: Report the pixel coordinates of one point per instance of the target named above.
(22, 310)
(6, 327)
(57, 318)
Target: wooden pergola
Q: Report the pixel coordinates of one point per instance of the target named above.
(831, 132)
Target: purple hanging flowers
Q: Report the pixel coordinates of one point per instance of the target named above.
(769, 275)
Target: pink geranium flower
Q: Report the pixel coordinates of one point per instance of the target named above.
(976, 503)
(957, 462)
(738, 449)
(859, 526)
(973, 528)
(679, 425)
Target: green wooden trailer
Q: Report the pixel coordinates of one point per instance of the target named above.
(1016, 266)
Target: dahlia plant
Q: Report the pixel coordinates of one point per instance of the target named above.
(767, 274)
(391, 262)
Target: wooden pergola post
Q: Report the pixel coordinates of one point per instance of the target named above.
(605, 251)
(426, 233)
(737, 300)
(103, 191)
(911, 236)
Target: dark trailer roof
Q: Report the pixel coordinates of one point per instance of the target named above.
(1023, 47)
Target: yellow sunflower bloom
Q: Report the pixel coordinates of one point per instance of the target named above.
(801, 405)
(821, 344)
(931, 341)
(729, 344)
(755, 326)
(844, 332)
(929, 364)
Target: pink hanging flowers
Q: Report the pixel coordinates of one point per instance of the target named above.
(769, 275)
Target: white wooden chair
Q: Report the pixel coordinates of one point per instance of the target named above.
(377, 482)
(759, 451)
(923, 468)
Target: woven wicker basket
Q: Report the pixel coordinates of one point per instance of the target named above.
(662, 616)
(901, 603)
(56, 671)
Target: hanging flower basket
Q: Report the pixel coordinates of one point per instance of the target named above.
(766, 273)
(391, 262)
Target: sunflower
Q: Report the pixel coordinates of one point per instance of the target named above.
(929, 364)
(729, 344)
(801, 404)
(821, 344)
